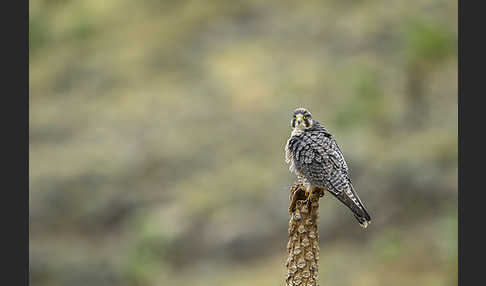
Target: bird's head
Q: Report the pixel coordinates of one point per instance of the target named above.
(301, 119)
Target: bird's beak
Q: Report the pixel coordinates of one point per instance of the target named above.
(299, 119)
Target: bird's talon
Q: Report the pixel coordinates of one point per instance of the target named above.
(308, 197)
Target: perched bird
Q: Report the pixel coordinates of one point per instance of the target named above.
(316, 159)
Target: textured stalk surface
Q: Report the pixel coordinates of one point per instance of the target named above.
(303, 245)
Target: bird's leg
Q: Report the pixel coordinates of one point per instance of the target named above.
(309, 195)
(310, 190)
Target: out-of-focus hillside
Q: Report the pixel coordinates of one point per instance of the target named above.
(157, 134)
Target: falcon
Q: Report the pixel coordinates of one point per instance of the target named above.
(315, 157)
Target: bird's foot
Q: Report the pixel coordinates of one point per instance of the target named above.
(308, 197)
(318, 190)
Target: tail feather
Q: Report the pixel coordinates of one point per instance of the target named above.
(354, 203)
(363, 221)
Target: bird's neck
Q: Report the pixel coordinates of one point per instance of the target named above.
(296, 131)
(318, 126)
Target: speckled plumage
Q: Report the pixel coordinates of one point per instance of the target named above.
(317, 160)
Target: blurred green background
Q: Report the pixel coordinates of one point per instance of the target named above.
(157, 134)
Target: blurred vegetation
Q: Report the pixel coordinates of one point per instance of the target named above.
(157, 134)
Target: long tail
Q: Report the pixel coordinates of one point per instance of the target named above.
(350, 198)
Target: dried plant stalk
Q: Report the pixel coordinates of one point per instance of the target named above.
(303, 245)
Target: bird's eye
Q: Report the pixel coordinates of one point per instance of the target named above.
(305, 117)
